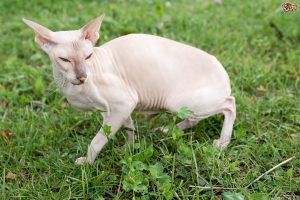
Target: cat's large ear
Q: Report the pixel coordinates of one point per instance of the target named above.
(91, 30)
(43, 36)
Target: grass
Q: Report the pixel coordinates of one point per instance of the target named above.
(258, 46)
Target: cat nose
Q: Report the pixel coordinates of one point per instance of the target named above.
(81, 79)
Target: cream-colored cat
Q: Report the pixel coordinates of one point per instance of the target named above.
(136, 72)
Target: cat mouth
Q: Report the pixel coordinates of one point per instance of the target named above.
(77, 82)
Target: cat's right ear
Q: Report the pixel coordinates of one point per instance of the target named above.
(43, 36)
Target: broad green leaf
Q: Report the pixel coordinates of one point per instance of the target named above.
(232, 196)
(259, 196)
(156, 170)
(184, 113)
(106, 129)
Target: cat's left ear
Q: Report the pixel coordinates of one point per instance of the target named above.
(91, 30)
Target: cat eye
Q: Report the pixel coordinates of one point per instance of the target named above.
(64, 59)
(88, 56)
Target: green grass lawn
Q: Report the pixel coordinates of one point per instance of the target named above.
(258, 46)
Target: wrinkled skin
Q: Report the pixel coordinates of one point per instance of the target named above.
(136, 72)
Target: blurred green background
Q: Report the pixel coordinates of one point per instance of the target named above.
(257, 43)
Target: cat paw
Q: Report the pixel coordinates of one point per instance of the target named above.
(162, 129)
(80, 161)
(220, 144)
